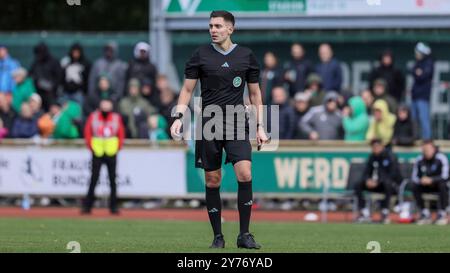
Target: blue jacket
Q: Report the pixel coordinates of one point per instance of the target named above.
(7, 66)
(287, 121)
(421, 89)
(24, 128)
(331, 74)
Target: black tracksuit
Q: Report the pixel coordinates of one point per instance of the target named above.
(385, 170)
(437, 169)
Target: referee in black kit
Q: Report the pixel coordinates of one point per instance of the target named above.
(223, 68)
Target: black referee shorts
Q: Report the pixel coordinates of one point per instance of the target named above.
(208, 153)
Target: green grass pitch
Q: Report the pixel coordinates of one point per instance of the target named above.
(118, 235)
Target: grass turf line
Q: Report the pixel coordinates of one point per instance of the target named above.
(116, 235)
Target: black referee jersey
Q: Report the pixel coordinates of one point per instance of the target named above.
(222, 74)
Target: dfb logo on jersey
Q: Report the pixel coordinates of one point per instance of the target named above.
(237, 81)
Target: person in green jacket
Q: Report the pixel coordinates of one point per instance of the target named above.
(23, 90)
(356, 120)
(67, 121)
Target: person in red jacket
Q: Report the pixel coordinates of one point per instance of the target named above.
(104, 134)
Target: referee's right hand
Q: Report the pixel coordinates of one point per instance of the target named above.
(175, 129)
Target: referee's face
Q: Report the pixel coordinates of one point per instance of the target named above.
(220, 30)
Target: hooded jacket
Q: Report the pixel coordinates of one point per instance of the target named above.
(391, 101)
(142, 69)
(356, 125)
(327, 124)
(76, 72)
(383, 129)
(116, 70)
(92, 101)
(45, 70)
(393, 76)
(405, 131)
(135, 111)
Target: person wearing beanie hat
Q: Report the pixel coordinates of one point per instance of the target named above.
(301, 107)
(314, 89)
(141, 67)
(422, 72)
(134, 83)
(422, 48)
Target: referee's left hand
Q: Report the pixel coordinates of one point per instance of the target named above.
(261, 136)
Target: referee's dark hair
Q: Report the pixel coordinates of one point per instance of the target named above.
(227, 16)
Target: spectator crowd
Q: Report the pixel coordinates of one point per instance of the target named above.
(314, 106)
(53, 98)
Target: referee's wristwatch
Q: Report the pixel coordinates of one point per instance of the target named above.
(178, 115)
